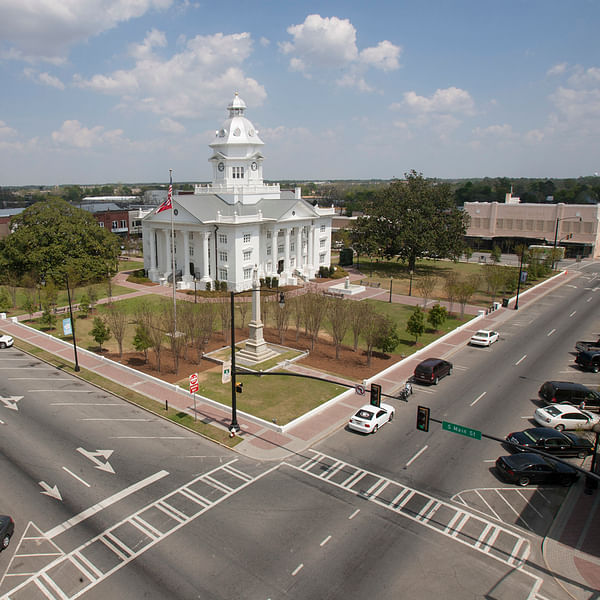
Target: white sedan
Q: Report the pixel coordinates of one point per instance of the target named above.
(565, 416)
(6, 341)
(368, 418)
(484, 338)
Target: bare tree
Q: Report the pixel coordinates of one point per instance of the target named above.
(296, 306)
(152, 321)
(338, 311)
(243, 308)
(205, 322)
(176, 338)
(282, 320)
(426, 285)
(265, 308)
(372, 325)
(495, 277)
(117, 319)
(451, 288)
(225, 315)
(357, 311)
(12, 283)
(466, 288)
(314, 311)
(186, 322)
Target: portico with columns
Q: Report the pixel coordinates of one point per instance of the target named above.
(225, 229)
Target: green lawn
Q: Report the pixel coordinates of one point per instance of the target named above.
(270, 397)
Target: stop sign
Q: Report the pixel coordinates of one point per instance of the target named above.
(194, 383)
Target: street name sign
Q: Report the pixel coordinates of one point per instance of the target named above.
(461, 430)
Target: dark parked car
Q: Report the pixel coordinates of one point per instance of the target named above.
(582, 346)
(7, 528)
(567, 392)
(588, 360)
(529, 468)
(431, 370)
(561, 443)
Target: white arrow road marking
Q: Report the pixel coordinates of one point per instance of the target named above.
(103, 466)
(11, 402)
(50, 491)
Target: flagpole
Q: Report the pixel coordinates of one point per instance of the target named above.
(173, 254)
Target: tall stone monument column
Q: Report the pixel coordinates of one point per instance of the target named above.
(256, 349)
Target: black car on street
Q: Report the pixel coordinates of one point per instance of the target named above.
(7, 528)
(561, 443)
(526, 467)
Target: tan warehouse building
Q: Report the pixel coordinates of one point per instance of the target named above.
(575, 226)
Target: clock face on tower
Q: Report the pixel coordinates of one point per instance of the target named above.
(254, 166)
(220, 166)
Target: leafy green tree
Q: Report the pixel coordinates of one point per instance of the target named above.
(468, 252)
(84, 305)
(48, 319)
(388, 338)
(416, 323)
(4, 300)
(495, 277)
(100, 331)
(437, 316)
(93, 296)
(496, 254)
(50, 236)
(30, 305)
(414, 218)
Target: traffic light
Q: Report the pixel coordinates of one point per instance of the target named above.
(239, 388)
(422, 418)
(375, 394)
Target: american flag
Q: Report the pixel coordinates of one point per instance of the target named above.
(166, 205)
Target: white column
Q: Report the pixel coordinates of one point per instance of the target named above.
(274, 246)
(153, 271)
(286, 252)
(311, 248)
(186, 256)
(205, 239)
(299, 249)
(168, 260)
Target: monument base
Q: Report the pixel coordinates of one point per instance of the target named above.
(255, 352)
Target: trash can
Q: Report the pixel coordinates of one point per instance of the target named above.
(497, 305)
(504, 302)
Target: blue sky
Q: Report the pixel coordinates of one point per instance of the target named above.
(122, 90)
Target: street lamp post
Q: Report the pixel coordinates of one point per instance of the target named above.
(410, 285)
(234, 427)
(195, 297)
(391, 282)
(72, 323)
(520, 275)
(558, 220)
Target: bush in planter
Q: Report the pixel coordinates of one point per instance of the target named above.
(346, 257)
(268, 281)
(324, 272)
(223, 286)
(275, 282)
(262, 282)
(208, 286)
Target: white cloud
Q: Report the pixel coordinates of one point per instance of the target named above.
(199, 77)
(449, 100)
(153, 39)
(584, 78)
(496, 132)
(170, 126)
(73, 133)
(44, 78)
(557, 69)
(264, 42)
(329, 43)
(384, 56)
(6, 132)
(45, 30)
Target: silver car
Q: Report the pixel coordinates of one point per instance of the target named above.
(565, 416)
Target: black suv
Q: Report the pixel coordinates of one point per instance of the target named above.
(7, 528)
(431, 370)
(588, 360)
(567, 392)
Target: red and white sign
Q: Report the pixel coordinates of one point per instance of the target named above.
(194, 383)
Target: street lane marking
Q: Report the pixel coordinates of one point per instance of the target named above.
(521, 359)
(572, 313)
(76, 477)
(104, 504)
(478, 398)
(86, 404)
(416, 455)
(297, 569)
(550, 333)
(519, 517)
(39, 379)
(325, 541)
(588, 299)
(152, 437)
(107, 419)
(354, 514)
(65, 391)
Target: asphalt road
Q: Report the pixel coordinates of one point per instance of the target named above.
(147, 510)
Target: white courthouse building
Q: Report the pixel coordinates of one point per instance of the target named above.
(223, 229)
